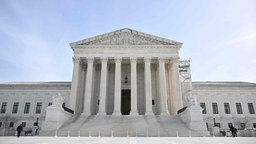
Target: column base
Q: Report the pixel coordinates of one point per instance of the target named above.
(164, 113)
(116, 113)
(84, 115)
(149, 113)
(101, 113)
(134, 113)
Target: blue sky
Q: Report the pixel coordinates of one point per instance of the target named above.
(218, 35)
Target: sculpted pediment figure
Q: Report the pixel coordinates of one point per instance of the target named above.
(126, 37)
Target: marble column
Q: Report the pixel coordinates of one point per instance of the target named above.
(148, 87)
(103, 86)
(176, 91)
(74, 86)
(172, 92)
(163, 86)
(134, 108)
(117, 95)
(88, 87)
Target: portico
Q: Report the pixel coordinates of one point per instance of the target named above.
(125, 72)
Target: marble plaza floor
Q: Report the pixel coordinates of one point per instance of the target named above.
(127, 140)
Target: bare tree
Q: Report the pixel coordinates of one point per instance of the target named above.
(242, 123)
(6, 119)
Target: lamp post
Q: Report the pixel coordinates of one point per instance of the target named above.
(37, 130)
(214, 124)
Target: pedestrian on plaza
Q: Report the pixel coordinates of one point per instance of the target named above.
(19, 130)
(233, 131)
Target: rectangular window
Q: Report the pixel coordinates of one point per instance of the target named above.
(15, 107)
(251, 109)
(27, 107)
(38, 107)
(226, 108)
(217, 125)
(0, 124)
(230, 124)
(4, 106)
(50, 103)
(207, 125)
(35, 123)
(203, 107)
(242, 125)
(23, 124)
(254, 125)
(239, 108)
(11, 124)
(215, 108)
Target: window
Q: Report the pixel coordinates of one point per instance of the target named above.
(4, 106)
(23, 124)
(153, 102)
(203, 107)
(50, 103)
(251, 109)
(27, 107)
(15, 107)
(242, 125)
(35, 123)
(239, 108)
(0, 124)
(217, 125)
(207, 125)
(11, 124)
(38, 107)
(230, 124)
(254, 125)
(215, 108)
(226, 108)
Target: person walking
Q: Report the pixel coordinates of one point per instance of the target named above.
(19, 130)
(233, 131)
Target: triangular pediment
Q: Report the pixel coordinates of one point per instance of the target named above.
(126, 37)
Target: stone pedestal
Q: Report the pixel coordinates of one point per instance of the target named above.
(193, 118)
(215, 131)
(55, 117)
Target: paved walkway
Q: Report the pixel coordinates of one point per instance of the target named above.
(128, 140)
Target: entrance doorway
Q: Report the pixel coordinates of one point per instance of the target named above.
(126, 102)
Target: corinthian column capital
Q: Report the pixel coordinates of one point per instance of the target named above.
(162, 59)
(118, 59)
(76, 59)
(90, 59)
(147, 59)
(175, 60)
(133, 59)
(104, 59)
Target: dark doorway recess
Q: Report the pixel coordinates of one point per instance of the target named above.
(126, 102)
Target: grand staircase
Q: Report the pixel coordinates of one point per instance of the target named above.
(125, 126)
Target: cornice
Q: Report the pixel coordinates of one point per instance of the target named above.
(126, 46)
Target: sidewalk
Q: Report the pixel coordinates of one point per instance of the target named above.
(127, 140)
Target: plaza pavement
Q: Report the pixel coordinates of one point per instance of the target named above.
(127, 140)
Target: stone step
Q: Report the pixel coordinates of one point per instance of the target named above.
(127, 125)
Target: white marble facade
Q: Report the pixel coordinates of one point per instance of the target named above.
(131, 73)
(231, 94)
(103, 63)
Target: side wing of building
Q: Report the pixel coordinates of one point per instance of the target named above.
(25, 102)
(228, 103)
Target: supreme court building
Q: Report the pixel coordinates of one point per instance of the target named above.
(125, 72)
(128, 83)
